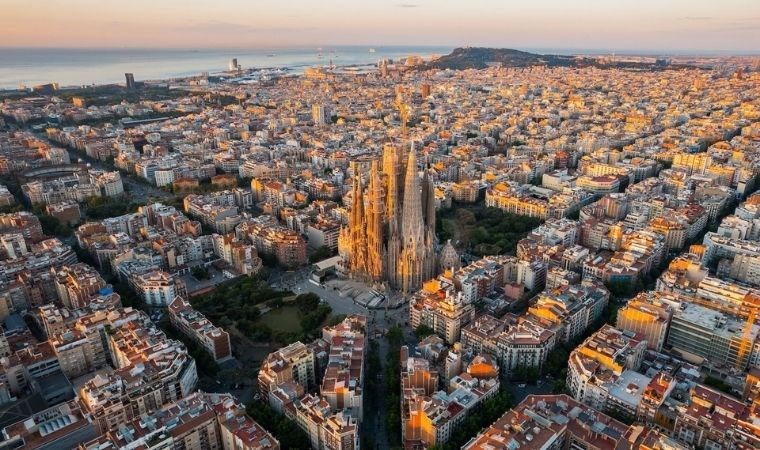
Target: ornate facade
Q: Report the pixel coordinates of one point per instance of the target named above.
(386, 241)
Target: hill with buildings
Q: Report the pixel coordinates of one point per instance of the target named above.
(482, 57)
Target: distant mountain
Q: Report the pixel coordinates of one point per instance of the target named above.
(482, 57)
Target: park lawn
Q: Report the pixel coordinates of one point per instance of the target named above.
(286, 319)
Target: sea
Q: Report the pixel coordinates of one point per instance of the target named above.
(26, 67)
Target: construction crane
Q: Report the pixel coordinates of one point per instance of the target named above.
(404, 111)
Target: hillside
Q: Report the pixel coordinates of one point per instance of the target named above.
(482, 57)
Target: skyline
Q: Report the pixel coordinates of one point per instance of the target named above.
(680, 26)
(439, 224)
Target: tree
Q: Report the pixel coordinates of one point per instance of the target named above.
(321, 253)
(423, 331)
(311, 321)
(395, 337)
(53, 227)
(486, 230)
(11, 208)
(620, 288)
(334, 320)
(98, 208)
(307, 302)
(559, 386)
(718, 384)
(556, 360)
(200, 273)
(284, 430)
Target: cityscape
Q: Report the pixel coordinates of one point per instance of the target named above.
(453, 242)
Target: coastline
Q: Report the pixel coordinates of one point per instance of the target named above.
(98, 67)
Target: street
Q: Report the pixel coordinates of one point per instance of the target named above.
(379, 321)
(298, 282)
(520, 390)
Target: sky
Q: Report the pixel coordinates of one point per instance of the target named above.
(658, 25)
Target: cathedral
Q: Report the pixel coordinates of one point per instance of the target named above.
(387, 240)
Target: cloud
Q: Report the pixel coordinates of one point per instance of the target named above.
(696, 18)
(407, 5)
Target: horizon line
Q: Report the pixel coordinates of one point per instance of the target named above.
(567, 50)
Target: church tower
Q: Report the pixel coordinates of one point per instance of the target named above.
(374, 224)
(358, 236)
(391, 166)
(393, 245)
(429, 268)
(387, 238)
(412, 259)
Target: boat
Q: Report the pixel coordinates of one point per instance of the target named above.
(271, 55)
(320, 55)
(372, 50)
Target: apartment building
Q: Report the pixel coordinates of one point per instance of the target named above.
(197, 327)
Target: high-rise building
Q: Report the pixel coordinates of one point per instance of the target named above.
(318, 114)
(383, 64)
(385, 242)
(425, 90)
(234, 64)
(130, 80)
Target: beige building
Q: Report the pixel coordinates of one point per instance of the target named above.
(197, 327)
(648, 316)
(441, 307)
(294, 362)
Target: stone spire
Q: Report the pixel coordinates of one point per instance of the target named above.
(356, 226)
(393, 245)
(431, 240)
(412, 261)
(387, 239)
(374, 224)
(411, 218)
(390, 171)
(429, 200)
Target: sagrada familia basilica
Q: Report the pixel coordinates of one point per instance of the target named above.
(390, 237)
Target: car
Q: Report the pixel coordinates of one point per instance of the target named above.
(521, 385)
